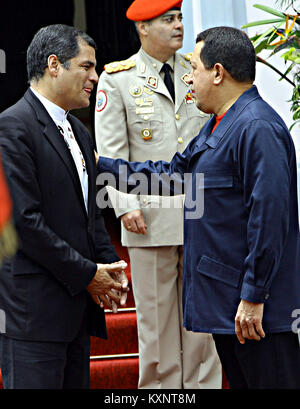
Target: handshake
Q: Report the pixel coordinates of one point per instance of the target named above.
(109, 287)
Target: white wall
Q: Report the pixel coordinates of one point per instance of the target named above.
(192, 24)
(275, 92)
(201, 14)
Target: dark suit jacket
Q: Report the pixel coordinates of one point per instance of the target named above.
(246, 244)
(42, 289)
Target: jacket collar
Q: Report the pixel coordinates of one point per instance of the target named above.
(206, 139)
(57, 113)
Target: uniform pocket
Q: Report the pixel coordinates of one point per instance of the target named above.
(145, 127)
(219, 271)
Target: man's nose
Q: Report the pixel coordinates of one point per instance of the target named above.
(178, 24)
(94, 76)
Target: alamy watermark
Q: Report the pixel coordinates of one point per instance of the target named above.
(2, 62)
(156, 184)
(2, 322)
(296, 322)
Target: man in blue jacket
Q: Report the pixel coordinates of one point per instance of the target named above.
(241, 269)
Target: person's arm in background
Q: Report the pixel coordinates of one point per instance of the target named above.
(112, 142)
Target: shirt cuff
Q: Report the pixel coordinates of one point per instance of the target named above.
(254, 294)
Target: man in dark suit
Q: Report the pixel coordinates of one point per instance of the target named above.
(53, 289)
(241, 255)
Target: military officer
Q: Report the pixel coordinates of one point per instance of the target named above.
(145, 111)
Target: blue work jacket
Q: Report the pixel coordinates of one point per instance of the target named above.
(244, 244)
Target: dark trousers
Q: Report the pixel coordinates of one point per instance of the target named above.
(45, 365)
(271, 363)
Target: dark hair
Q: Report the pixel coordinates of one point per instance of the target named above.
(57, 39)
(230, 47)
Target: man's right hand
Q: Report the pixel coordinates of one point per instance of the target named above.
(134, 222)
(102, 286)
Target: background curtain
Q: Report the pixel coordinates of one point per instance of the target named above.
(20, 20)
(115, 35)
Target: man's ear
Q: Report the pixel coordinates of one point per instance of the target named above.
(53, 65)
(142, 27)
(219, 73)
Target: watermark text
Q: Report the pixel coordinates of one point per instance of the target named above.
(166, 188)
(2, 62)
(2, 322)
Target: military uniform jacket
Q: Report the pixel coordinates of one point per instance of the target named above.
(137, 120)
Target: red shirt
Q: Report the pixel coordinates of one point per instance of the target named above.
(218, 120)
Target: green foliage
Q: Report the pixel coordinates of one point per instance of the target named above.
(288, 3)
(282, 36)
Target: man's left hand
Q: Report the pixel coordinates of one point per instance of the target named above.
(120, 277)
(248, 321)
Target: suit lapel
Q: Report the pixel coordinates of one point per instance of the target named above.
(212, 140)
(54, 137)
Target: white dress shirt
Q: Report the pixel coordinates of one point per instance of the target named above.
(59, 116)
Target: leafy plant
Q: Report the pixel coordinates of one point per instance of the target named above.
(283, 35)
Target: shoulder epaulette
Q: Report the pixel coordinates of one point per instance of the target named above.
(118, 66)
(188, 56)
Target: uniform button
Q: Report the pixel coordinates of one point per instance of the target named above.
(177, 117)
(146, 118)
(267, 296)
(180, 140)
(144, 201)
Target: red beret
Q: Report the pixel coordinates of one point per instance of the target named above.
(143, 10)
